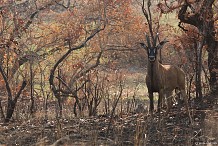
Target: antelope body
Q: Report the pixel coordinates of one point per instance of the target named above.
(163, 78)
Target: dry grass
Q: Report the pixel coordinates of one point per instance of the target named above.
(127, 128)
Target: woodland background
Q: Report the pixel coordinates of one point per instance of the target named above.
(73, 71)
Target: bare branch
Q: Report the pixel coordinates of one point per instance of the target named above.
(62, 5)
(51, 78)
(20, 91)
(32, 16)
(182, 26)
(6, 83)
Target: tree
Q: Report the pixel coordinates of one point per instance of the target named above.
(95, 26)
(199, 14)
(17, 19)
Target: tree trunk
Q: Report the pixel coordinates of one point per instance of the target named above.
(2, 116)
(60, 106)
(213, 64)
(199, 69)
(12, 103)
(32, 106)
(10, 110)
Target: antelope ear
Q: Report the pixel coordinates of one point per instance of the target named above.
(161, 44)
(144, 46)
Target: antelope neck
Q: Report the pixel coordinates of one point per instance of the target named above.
(153, 69)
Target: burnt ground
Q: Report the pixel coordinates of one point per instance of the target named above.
(134, 129)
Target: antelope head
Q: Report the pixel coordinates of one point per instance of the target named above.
(152, 48)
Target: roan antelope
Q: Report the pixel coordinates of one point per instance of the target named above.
(163, 78)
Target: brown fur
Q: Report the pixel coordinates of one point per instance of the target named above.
(166, 78)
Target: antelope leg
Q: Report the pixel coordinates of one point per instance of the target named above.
(169, 101)
(160, 100)
(151, 97)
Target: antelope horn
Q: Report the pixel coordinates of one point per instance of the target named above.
(155, 39)
(148, 41)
